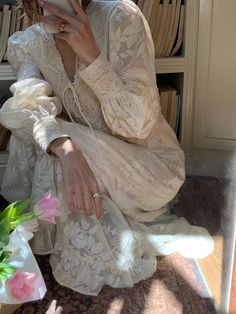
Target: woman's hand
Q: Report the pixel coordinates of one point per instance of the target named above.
(78, 33)
(79, 180)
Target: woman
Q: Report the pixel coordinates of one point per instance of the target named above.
(87, 124)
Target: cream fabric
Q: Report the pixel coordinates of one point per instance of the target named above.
(118, 125)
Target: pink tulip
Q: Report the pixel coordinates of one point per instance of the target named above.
(32, 225)
(47, 208)
(24, 286)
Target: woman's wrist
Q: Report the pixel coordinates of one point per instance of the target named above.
(60, 146)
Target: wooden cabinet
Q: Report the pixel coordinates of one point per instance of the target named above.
(215, 93)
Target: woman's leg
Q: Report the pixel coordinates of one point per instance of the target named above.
(139, 182)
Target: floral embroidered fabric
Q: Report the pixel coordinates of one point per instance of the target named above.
(112, 111)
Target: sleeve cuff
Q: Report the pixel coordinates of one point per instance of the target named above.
(46, 130)
(101, 77)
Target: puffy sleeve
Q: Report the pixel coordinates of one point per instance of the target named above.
(31, 112)
(124, 81)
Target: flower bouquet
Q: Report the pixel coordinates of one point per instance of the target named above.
(20, 277)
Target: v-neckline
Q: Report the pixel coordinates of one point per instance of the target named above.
(78, 64)
(59, 57)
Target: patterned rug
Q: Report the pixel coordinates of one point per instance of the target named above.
(175, 288)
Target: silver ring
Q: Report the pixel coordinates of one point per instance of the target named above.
(97, 195)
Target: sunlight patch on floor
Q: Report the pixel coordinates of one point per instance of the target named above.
(159, 298)
(116, 306)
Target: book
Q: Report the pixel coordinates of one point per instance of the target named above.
(165, 100)
(13, 20)
(1, 16)
(145, 7)
(153, 19)
(12, 27)
(173, 108)
(172, 8)
(156, 36)
(18, 21)
(160, 35)
(5, 30)
(4, 133)
(178, 116)
(170, 103)
(180, 32)
(165, 31)
(149, 11)
(174, 32)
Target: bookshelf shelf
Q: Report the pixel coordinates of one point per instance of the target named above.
(3, 162)
(170, 65)
(3, 158)
(6, 73)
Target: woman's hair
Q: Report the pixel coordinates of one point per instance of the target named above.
(32, 9)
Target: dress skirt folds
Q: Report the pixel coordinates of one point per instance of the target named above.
(112, 112)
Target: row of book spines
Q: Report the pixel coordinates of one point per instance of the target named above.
(170, 103)
(166, 21)
(4, 133)
(16, 23)
(11, 21)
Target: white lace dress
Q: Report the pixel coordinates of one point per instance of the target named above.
(133, 152)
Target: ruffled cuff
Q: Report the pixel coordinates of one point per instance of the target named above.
(46, 130)
(101, 77)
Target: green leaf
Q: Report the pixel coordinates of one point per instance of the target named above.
(22, 219)
(9, 270)
(6, 270)
(2, 265)
(15, 209)
(25, 204)
(4, 230)
(9, 209)
(3, 276)
(4, 255)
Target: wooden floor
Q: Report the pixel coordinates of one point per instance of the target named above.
(211, 268)
(209, 202)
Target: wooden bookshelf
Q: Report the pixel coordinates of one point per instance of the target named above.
(184, 65)
(6, 73)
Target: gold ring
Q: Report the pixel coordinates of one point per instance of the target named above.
(61, 27)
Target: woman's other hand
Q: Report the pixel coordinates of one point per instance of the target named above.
(77, 32)
(79, 180)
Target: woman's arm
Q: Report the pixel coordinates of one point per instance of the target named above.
(30, 113)
(126, 84)
(31, 116)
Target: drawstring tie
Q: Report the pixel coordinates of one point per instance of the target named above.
(78, 105)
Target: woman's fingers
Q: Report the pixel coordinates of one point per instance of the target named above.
(88, 201)
(75, 199)
(98, 207)
(79, 200)
(70, 201)
(56, 11)
(55, 22)
(77, 7)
